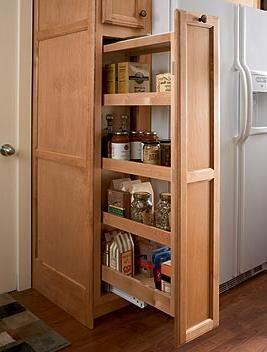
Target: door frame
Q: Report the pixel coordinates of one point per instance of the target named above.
(24, 127)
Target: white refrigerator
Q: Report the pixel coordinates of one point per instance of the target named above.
(243, 127)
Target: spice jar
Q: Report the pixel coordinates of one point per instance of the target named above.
(120, 146)
(151, 148)
(165, 152)
(141, 208)
(163, 212)
(136, 145)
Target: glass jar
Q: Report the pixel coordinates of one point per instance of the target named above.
(165, 152)
(136, 145)
(150, 148)
(120, 146)
(141, 208)
(163, 212)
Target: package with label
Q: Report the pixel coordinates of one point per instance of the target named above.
(143, 255)
(118, 183)
(158, 258)
(122, 253)
(133, 77)
(163, 82)
(119, 203)
(166, 272)
(111, 79)
(127, 185)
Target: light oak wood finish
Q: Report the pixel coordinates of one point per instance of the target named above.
(127, 14)
(139, 287)
(195, 175)
(138, 169)
(149, 232)
(63, 139)
(140, 46)
(138, 99)
(105, 303)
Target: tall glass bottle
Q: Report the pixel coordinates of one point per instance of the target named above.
(124, 123)
(106, 140)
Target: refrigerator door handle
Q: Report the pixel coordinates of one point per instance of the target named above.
(243, 98)
(249, 86)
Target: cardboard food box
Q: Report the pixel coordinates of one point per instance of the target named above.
(119, 203)
(133, 77)
(111, 79)
(163, 82)
(122, 253)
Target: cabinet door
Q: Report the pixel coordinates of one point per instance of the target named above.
(130, 13)
(195, 174)
(63, 156)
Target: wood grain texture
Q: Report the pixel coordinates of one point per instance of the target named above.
(126, 14)
(132, 99)
(149, 232)
(139, 287)
(138, 169)
(140, 46)
(63, 141)
(57, 13)
(243, 325)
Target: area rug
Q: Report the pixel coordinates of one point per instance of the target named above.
(22, 331)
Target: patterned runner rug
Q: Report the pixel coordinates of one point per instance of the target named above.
(21, 331)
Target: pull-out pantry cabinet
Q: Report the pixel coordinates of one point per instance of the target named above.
(73, 41)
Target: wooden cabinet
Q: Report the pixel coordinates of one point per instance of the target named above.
(70, 177)
(131, 13)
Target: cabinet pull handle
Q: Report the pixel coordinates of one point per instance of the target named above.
(143, 13)
(203, 19)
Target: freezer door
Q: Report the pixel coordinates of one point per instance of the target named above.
(256, 43)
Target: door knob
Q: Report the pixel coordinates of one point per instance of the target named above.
(143, 13)
(203, 19)
(7, 150)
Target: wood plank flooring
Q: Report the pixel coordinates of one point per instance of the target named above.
(243, 325)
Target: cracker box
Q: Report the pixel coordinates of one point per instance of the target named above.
(111, 79)
(163, 82)
(133, 77)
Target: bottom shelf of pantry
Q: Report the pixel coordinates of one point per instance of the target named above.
(139, 287)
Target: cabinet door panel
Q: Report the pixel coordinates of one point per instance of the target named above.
(126, 13)
(195, 174)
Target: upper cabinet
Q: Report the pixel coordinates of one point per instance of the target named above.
(252, 3)
(135, 14)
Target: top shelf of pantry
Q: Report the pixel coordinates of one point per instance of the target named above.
(140, 46)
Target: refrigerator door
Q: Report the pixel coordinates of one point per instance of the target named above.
(253, 162)
(228, 127)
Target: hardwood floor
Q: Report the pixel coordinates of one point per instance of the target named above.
(243, 325)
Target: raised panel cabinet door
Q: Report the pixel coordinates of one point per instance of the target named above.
(195, 174)
(130, 13)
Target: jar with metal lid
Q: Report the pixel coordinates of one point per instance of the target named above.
(120, 146)
(141, 208)
(136, 145)
(165, 152)
(151, 148)
(163, 212)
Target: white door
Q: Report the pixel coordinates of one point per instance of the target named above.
(15, 75)
(253, 241)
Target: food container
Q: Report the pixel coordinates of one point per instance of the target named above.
(119, 203)
(163, 82)
(120, 146)
(150, 148)
(163, 211)
(133, 77)
(165, 152)
(136, 146)
(141, 208)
